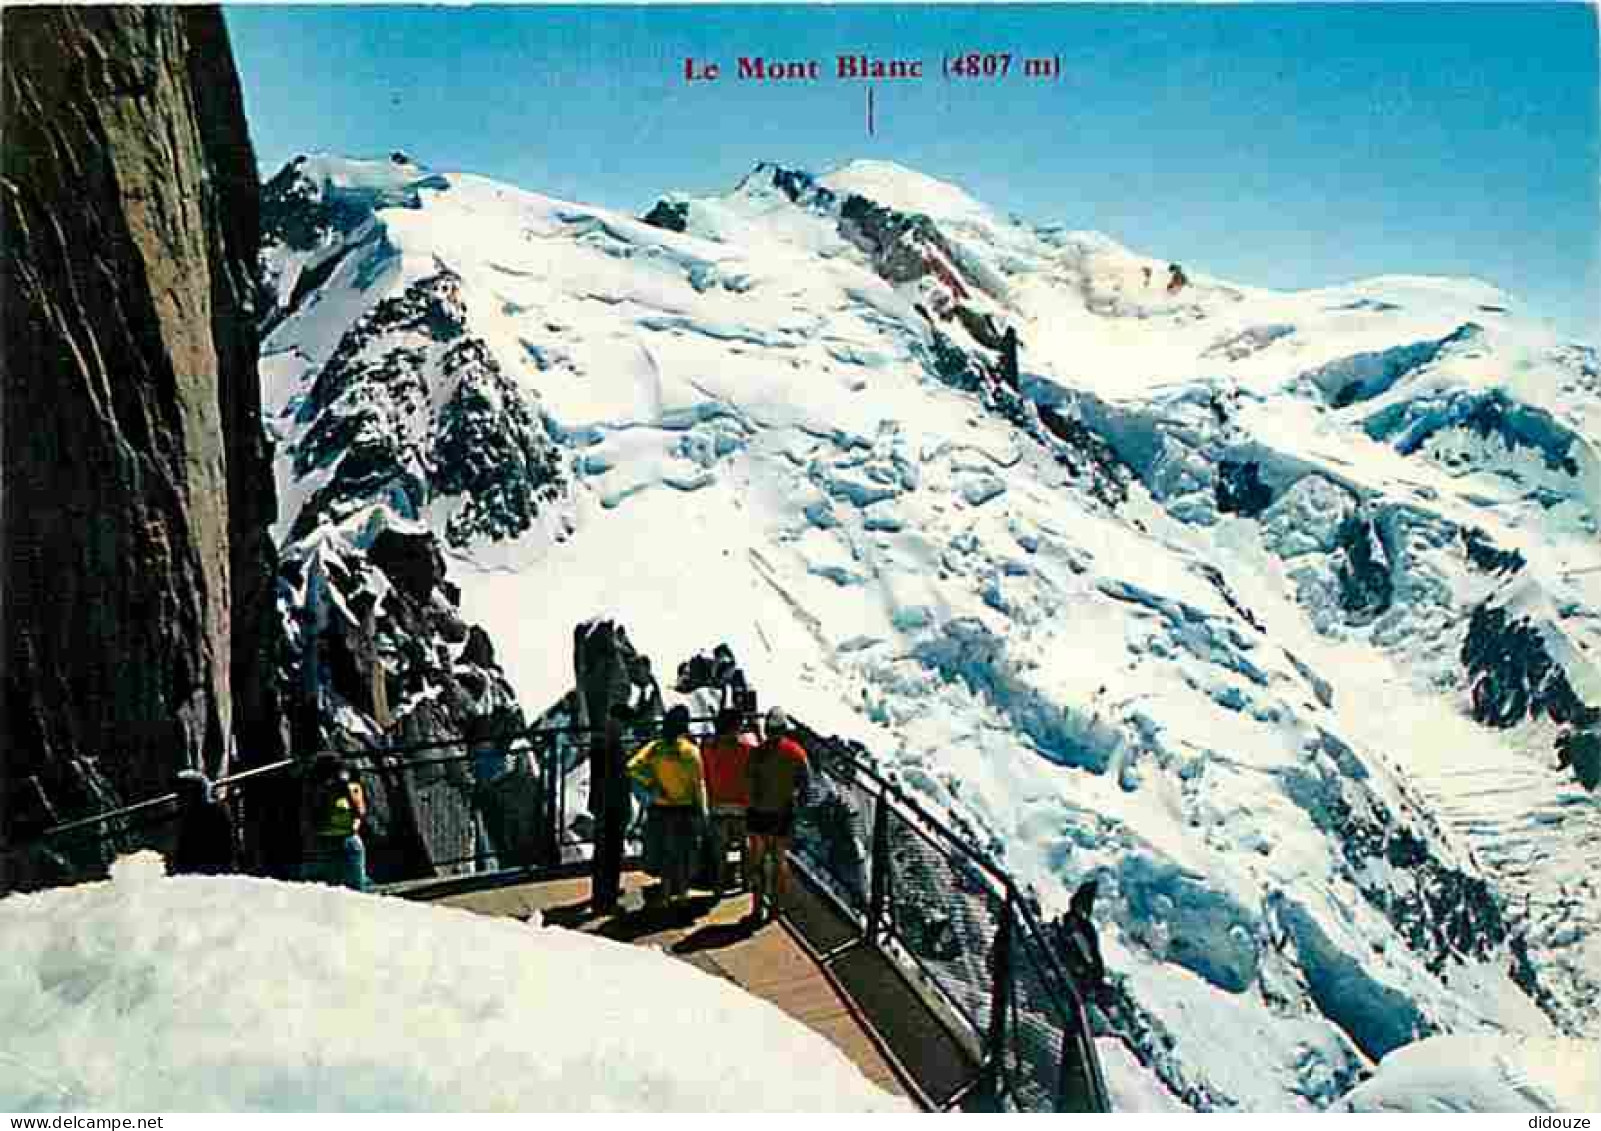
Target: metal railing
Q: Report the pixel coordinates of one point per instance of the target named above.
(958, 927)
(952, 921)
(439, 808)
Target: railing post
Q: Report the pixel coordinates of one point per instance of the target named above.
(1064, 1071)
(550, 775)
(879, 878)
(1074, 1092)
(1000, 999)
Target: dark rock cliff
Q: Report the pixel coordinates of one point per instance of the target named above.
(138, 570)
(372, 424)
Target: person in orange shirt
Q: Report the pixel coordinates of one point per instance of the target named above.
(726, 758)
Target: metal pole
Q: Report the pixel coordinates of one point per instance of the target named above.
(550, 775)
(1000, 1001)
(879, 880)
(1075, 1091)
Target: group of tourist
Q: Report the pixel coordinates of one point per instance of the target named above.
(719, 814)
(735, 794)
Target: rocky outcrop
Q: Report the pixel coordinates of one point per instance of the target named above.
(669, 215)
(378, 660)
(1061, 430)
(137, 564)
(1580, 748)
(1514, 678)
(374, 428)
(377, 647)
(1086, 454)
(903, 246)
(1486, 556)
(1239, 488)
(613, 683)
(307, 215)
(1362, 567)
(798, 186)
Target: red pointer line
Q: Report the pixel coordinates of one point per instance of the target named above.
(869, 111)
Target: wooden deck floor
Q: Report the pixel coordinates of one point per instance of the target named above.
(769, 962)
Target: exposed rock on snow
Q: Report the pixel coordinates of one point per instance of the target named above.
(1240, 489)
(1517, 676)
(669, 215)
(413, 411)
(1514, 675)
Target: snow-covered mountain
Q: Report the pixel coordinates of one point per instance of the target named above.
(1276, 612)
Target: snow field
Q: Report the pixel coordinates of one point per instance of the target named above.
(149, 993)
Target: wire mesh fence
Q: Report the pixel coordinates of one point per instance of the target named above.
(943, 916)
(1037, 1038)
(834, 820)
(955, 924)
(482, 809)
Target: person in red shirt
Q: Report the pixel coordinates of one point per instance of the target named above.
(777, 775)
(726, 758)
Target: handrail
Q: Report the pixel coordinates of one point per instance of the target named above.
(532, 735)
(140, 806)
(1064, 995)
(911, 804)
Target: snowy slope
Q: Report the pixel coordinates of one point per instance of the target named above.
(1184, 603)
(197, 993)
(1485, 1073)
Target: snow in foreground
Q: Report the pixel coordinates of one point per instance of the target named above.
(194, 994)
(1485, 1073)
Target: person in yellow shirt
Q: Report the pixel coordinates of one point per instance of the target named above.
(338, 809)
(670, 770)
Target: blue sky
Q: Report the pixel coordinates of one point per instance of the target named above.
(1278, 145)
